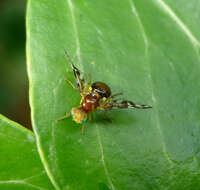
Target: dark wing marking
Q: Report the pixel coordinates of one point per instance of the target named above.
(121, 104)
(79, 81)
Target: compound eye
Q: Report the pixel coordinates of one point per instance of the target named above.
(84, 120)
(78, 115)
(102, 89)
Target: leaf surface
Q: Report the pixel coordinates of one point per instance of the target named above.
(144, 49)
(20, 165)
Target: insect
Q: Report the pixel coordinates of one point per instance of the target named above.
(95, 96)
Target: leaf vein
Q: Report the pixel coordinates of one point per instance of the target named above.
(78, 53)
(21, 182)
(134, 11)
(146, 41)
(180, 23)
(102, 159)
(34, 176)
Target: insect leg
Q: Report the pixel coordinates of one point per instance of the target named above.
(117, 94)
(63, 117)
(89, 79)
(70, 82)
(83, 128)
(87, 88)
(106, 116)
(90, 116)
(109, 99)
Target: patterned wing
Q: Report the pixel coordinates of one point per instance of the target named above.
(121, 104)
(79, 81)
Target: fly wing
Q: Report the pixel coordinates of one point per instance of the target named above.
(121, 104)
(79, 81)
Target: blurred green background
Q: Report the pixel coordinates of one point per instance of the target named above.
(13, 77)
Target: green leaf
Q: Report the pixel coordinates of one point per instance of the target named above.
(20, 165)
(144, 49)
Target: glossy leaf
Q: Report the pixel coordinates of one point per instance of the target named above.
(20, 165)
(148, 50)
